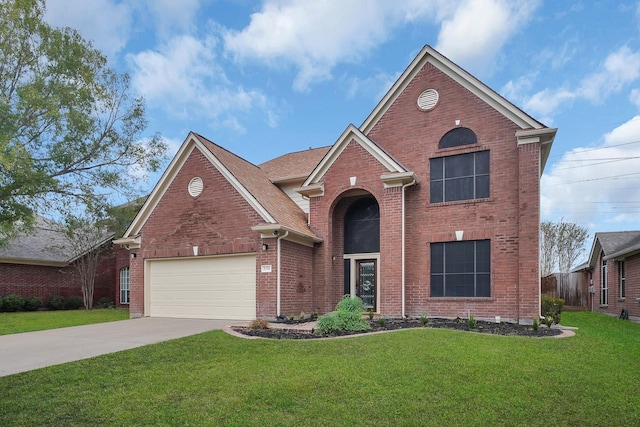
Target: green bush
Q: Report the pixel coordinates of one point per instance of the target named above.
(352, 304)
(0, 303)
(13, 303)
(105, 302)
(73, 303)
(552, 307)
(347, 317)
(32, 303)
(56, 302)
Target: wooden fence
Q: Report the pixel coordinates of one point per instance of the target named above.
(573, 288)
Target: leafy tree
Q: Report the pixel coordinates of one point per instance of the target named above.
(69, 127)
(560, 246)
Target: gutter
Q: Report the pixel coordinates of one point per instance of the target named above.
(286, 233)
(403, 244)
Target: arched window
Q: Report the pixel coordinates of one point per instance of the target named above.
(124, 285)
(362, 227)
(457, 137)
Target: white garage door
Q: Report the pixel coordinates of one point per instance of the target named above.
(207, 288)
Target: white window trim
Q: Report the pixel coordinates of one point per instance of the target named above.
(352, 276)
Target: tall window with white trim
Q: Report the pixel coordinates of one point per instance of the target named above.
(604, 283)
(124, 285)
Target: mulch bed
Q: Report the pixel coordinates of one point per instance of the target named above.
(395, 324)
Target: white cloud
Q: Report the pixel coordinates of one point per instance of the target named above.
(600, 182)
(184, 78)
(618, 70)
(106, 23)
(315, 36)
(478, 29)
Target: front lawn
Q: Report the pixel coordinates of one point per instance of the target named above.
(28, 321)
(413, 377)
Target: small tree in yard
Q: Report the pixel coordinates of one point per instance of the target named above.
(86, 242)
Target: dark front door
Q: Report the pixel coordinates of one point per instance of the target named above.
(366, 282)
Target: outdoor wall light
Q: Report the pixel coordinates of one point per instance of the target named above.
(265, 246)
(133, 255)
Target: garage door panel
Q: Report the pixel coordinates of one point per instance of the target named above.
(213, 288)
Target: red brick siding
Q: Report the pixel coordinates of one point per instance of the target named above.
(509, 218)
(632, 292)
(44, 281)
(296, 279)
(218, 221)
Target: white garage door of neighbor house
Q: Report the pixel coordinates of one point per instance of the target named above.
(206, 288)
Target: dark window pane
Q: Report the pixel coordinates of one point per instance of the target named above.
(437, 258)
(483, 256)
(457, 137)
(435, 165)
(482, 162)
(483, 288)
(458, 189)
(482, 187)
(437, 285)
(362, 227)
(456, 166)
(436, 191)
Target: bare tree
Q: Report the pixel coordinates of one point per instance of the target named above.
(548, 248)
(560, 246)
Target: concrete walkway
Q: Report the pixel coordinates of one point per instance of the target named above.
(33, 350)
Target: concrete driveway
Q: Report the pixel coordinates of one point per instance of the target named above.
(33, 350)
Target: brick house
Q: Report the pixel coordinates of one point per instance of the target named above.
(431, 205)
(613, 269)
(34, 265)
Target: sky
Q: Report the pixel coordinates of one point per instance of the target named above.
(264, 78)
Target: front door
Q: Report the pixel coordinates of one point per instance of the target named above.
(366, 282)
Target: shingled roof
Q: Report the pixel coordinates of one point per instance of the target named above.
(291, 166)
(283, 210)
(614, 244)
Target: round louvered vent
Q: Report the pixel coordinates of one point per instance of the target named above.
(428, 99)
(195, 186)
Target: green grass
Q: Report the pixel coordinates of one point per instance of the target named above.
(412, 377)
(28, 321)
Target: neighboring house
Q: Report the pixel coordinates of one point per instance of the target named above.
(430, 206)
(613, 269)
(36, 264)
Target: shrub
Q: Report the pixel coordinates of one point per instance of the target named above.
(536, 324)
(105, 302)
(471, 322)
(32, 303)
(13, 303)
(56, 302)
(424, 319)
(552, 307)
(351, 304)
(341, 320)
(0, 304)
(259, 324)
(73, 303)
(382, 321)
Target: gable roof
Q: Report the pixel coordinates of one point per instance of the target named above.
(293, 166)
(536, 131)
(46, 245)
(274, 207)
(351, 133)
(614, 244)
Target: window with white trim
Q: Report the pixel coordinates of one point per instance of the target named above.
(461, 269)
(604, 283)
(459, 177)
(622, 273)
(124, 285)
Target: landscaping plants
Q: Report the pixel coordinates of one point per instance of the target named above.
(13, 303)
(32, 303)
(56, 302)
(347, 317)
(425, 376)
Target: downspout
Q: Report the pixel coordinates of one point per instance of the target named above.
(403, 243)
(286, 233)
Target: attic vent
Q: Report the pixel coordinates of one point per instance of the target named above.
(195, 186)
(428, 99)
